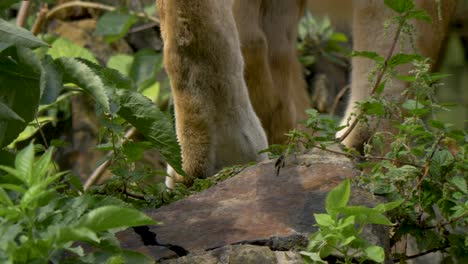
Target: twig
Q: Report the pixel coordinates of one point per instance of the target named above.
(338, 97)
(58, 8)
(377, 83)
(447, 222)
(23, 13)
(40, 20)
(97, 173)
(422, 253)
(365, 157)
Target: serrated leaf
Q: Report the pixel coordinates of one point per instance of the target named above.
(114, 25)
(375, 253)
(402, 58)
(400, 6)
(63, 47)
(368, 54)
(338, 197)
(20, 37)
(412, 105)
(53, 81)
(460, 183)
(111, 78)
(110, 217)
(80, 74)
(6, 114)
(24, 162)
(374, 108)
(153, 124)
(420, 15)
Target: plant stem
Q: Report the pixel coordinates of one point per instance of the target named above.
(378, 80)
(58, 8)
(23, 13)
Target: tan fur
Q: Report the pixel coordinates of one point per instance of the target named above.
(207, 43)
(215, 122)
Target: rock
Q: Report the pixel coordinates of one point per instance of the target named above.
(257, 207)
(240, 254)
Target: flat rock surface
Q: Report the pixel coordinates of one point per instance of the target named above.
(257, 207)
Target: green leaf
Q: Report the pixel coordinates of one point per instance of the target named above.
(80, 74)
(381, 87)
(460, 183)
(5, 4)
(347, 241)
(114, 25)
(146, 64)
(111, 78)
(365, 215)
(324, 220)
(375, 253)
(14, 172)
(6, 114)
(338, 197)
(20, 37)
(315, 257)
(20, 78)
(382, 208)
(4, 198)
(420, 15)
(121, 63)
(71, 234)
(368, 54)
(402, 58)
(412, 105)
(374, 108)
(53, 81)
(42, 165)
(62, 47)
(153, 124)
(136, 257)
(400, 6)
(24, 162)
(111, 216)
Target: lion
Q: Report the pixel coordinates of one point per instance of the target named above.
(237, 82)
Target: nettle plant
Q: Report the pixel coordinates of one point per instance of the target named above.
(40, 217)
(421, 163)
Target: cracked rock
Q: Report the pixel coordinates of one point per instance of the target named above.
(256, 214)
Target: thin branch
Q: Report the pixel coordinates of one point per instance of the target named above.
(40, 20)
(99, 171)
(422, 253)
(378, 81)
(53, 12)
(447, 222)
(338, 98)
(23, 13)
(365, 157)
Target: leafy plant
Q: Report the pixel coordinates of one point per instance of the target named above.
(341, 229)
(39, 221)
(421, 161)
